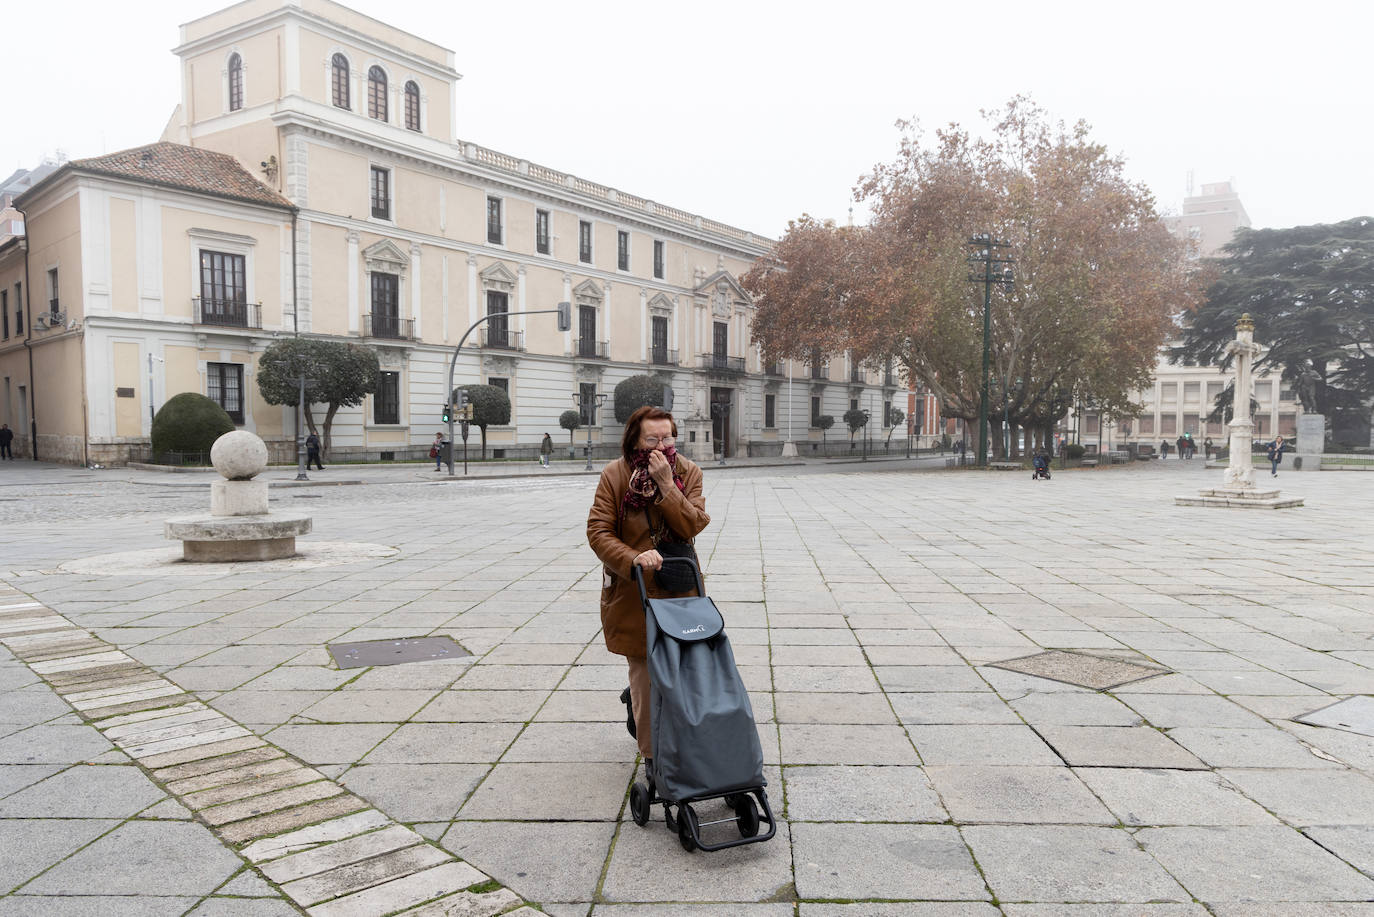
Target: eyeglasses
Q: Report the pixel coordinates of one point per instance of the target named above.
(652, 441)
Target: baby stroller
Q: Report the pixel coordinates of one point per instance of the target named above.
(704, 740)
(1041, 466)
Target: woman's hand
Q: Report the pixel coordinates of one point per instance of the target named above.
(660, 470)
(649, 560)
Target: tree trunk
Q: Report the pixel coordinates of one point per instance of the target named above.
(328, 425)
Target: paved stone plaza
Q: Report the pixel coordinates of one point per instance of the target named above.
(865, 605)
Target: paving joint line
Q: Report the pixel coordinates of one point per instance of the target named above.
(330, 852)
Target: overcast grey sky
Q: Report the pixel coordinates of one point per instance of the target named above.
(755, 112)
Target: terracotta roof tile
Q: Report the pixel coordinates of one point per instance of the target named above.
(186, 167)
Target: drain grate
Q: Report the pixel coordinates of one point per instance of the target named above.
(394, 652)
(1354, 714)
(1082, 669)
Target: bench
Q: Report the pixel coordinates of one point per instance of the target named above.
(1006, 466)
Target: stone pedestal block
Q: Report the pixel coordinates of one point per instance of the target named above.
(1311, 434)
(238, 498)
(223, 539)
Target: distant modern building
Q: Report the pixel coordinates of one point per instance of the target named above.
(21, 180)
(380, 226)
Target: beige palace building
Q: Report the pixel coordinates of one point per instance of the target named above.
(401, 236)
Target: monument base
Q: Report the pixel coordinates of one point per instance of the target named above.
(789, 449)
(1240, 498)
(1303, 462)
(225, 539)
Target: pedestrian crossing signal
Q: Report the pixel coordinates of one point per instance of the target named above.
(447, 415)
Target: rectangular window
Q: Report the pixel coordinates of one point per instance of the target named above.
(52, 291)
(1216, 429)
(1191, 392)
(720, 339)
(1213, 392)
(381, 193)
(1190, 424)
(1285, 394)
(1168, 425)
(1090, 423)
(494, 220)
(622, 250)
(18, 309)
(498, 326)
(586, 392)
(1147, 425)
(541, 231)
(815, 410)
(658, 260)
(1168, 393)
(224, 386)
(769, 407)
(386, 401)
(1262, 426)
(660, 340)
(5, 311)
(223, 289)
(500, 382)
(584, 241)
(586, 331)
(1288, 424)
(386, 320)
(1264, 391)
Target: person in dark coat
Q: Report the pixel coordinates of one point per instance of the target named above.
(647, 496)
(312, 451)
(1275, 455)
(6, 437)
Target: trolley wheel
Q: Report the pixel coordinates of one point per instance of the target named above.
(669, 818)
(639, 804)
(733, 801)
(747, 817)
(686, 827)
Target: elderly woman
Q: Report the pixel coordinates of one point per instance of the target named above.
(648, 496)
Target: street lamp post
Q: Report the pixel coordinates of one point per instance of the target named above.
(290, 366)
(985, 246)
(589, 407)
(564, 313)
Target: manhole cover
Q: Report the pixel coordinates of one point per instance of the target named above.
(393, 652)
(1354, 714)
(1096, 672)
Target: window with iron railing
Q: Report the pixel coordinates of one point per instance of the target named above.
(659, 335)
(386, 305)
(498, 324)
(386, 401)
(224, 290)
(224, 386)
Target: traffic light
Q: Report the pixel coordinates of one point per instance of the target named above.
(446, 415)
(460, 399)
(565, 316)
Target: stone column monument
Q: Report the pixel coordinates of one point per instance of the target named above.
(240, 527)
(1238, 480)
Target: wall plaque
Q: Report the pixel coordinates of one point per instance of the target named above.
(124, 393)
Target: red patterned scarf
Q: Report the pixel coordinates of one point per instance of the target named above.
(643, 489)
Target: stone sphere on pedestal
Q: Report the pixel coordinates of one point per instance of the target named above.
(239, 455)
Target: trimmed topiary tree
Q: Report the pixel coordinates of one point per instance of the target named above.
(490, 407)
(189, 422)
(636, 392)
(825, 422)
(856, 420)
(570, 420)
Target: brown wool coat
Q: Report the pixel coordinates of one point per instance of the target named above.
(618, 542)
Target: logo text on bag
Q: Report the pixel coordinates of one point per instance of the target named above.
(699, 629)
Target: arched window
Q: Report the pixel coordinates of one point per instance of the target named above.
(412, 106)
(339, 80)
(376, 93)
(235, 82)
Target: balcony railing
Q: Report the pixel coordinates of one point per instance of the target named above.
(662, 356)
(591, 350)
(889, 379)
(820, 371)
(391, 327)
(53, 306)
(775, 369)
(721, 363)
(502, 338)
(228, 313)
(856, 375)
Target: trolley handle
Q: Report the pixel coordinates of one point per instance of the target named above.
(637, 573)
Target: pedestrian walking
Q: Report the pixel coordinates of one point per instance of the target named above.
(546, 450)
(1163, 448)
(1275, 454)
(312, 451)
(1182, 445)
(436, 451)
(1207, 449)
(6, 437)
(648, 504)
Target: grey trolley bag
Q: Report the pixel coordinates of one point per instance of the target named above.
(705, 743)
